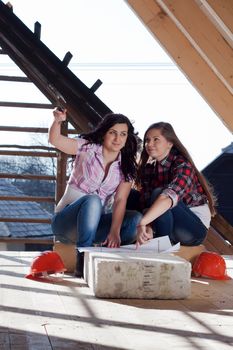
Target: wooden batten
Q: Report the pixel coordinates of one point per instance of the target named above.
(26, 176)
(27, 199)
(27, 240)
(26, 105)
(28, 220)
(28, 154)
(32, 130)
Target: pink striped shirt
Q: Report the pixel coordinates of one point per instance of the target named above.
(88, 172)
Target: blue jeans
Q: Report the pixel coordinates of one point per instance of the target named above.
(179, 223)
(84, 223)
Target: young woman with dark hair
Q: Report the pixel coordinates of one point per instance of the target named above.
(174, 196)
(92, 209)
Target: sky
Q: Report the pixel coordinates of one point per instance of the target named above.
(108, 42)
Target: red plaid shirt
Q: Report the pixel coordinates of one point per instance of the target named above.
(176, 175)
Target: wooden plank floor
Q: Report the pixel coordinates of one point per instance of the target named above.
(65, 315)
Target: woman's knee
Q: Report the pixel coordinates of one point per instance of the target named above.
(134, 216)
(188, 238)
(57, 224)
(61, 231)
(89, 214)
(93, 201)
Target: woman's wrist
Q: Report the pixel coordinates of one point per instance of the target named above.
(57, 121)
(141, 225)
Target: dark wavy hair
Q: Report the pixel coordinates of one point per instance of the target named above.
(128, 152)
(168, 132)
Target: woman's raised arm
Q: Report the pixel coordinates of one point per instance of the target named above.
(61, 142)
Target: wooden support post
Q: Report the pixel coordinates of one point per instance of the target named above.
(61, 167)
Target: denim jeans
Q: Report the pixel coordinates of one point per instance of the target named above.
(179, 223)
(83, 223)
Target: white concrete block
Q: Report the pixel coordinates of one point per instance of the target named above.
(88, 263)
(138, 275)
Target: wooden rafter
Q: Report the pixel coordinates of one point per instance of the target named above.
(198, 46)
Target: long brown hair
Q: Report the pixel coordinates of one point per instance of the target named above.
(168, 132)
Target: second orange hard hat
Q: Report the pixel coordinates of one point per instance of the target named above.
(210, 265)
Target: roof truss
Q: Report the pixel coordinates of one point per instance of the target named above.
(51, 75)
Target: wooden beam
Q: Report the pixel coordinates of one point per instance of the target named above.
(26, 105)
(96, 85)
(27, 199)
(15, 79)
(49, 73)
(28, 154)
(221, 225)
(187, 58)
(26, 176)
(66, 60)
(31, 129)
(31, 220)
(37, 30)
(217, 242)
(26, 240)
(61, 168)
(31, 147)
(224, 11)
(203, 36)
(24, 129)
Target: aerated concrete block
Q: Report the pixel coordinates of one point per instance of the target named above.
(138, 275)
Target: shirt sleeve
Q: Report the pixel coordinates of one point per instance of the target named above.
(80, 142)
(181, 183)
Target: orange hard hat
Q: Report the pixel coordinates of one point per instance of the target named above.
(210, 265)
(47, 263)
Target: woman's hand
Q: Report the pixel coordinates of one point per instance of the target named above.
(59, 114)
(143, 235)
(112, 241)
